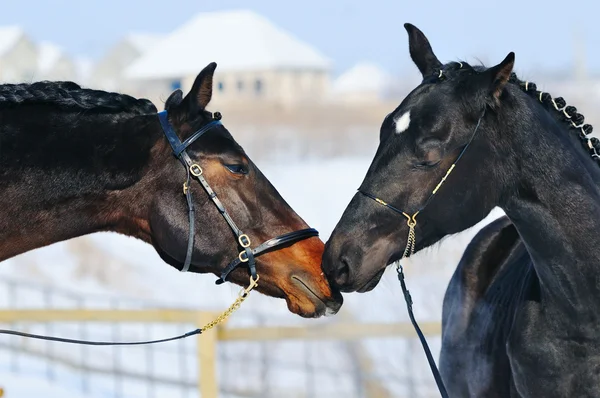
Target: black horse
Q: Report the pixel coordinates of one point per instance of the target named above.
(75, 161)
(486, 289)
(538, 326)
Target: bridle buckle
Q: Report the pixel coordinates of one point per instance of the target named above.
(196, 170)
(244, 240)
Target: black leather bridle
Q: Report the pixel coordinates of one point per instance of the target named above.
(246, 255)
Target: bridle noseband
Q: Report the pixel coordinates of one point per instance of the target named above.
(410, 249)
(246, 255)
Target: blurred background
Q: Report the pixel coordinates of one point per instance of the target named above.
(303, 86)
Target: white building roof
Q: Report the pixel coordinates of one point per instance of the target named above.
(83, 68)
(361, 78)
(143, 42)
(9, 36)
(48, 55)
(236, 40)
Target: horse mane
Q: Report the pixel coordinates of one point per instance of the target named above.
(557, 107)
(70, 96)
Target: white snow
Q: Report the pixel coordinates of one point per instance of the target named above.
(48, 55)
(143, 42)
(22, 386)
(363, 77)
(83, 68)
(236, 40)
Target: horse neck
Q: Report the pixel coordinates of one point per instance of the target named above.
(555, 206)
(68, 174)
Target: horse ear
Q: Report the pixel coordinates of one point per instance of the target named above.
(174, 99)
(498, 75)
(201, 92)
(420, 51)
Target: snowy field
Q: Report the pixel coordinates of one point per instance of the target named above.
(108, 268)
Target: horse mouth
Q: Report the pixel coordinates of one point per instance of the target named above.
(323, 306)
(370, 285)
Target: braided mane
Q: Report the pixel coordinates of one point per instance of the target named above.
(557, 106)
(70, 96)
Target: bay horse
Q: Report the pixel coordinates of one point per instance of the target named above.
(74, 161)
(466, 140)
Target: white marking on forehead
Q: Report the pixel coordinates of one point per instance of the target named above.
(403, 122)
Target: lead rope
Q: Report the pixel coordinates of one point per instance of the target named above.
(222, 317)
(408, 251)
(432, 365)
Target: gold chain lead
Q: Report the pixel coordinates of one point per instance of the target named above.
(410, 243)
(233, 307)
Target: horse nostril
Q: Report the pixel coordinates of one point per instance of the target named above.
(342, 273)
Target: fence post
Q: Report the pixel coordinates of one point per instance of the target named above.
(208, 385)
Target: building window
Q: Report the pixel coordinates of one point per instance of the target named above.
(258, 87)
(175, 85)
(221, 86)
(240, 85)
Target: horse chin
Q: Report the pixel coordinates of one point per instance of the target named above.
(370, 285)
(313, 304)
(311, 309)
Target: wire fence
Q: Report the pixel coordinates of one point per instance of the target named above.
(324, 365)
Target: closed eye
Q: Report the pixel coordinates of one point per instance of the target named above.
(426, 164)
(237, 168)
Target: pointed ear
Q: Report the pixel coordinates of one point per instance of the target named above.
(174, 99)
(420, 51)
(498, 75)
(201, 92)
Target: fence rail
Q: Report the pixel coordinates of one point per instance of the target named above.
(207, 342)
(330, 331)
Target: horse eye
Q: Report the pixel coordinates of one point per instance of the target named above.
(237, 168)
(426, 164)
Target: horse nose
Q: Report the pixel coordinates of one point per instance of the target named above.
(342, 272)
(338, 272)
(338, 260)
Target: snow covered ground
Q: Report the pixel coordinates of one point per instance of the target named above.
(108, 267)
(32, 387)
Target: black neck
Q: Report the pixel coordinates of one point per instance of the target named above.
(555, 205)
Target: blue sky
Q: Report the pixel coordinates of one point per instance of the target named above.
(540, 32)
